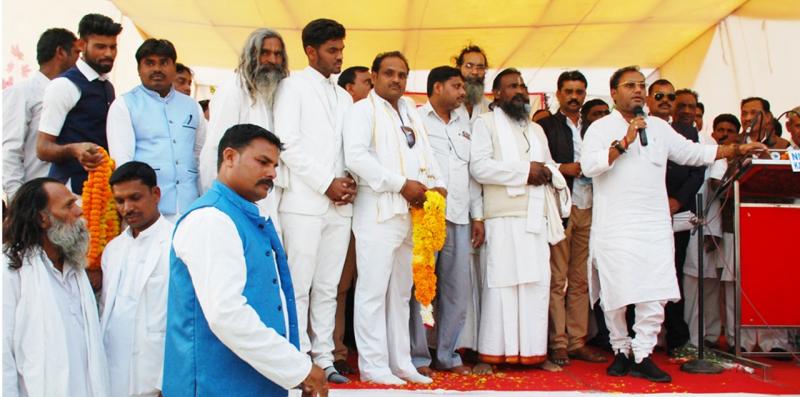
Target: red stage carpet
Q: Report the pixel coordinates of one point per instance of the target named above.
(591, 378)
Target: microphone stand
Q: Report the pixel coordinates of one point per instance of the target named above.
(700, 365)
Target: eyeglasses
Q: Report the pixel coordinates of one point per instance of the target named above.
(479, 66)
(411, 138)
(634, 84)
(660, 95)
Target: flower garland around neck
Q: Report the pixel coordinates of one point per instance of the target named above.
(429, 232)
(99, 210)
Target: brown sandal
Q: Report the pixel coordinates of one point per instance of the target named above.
(584, 353)
(559, 357)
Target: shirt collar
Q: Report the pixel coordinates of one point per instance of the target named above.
(158, 96)
(89, 72)
(401, 103)
(247, 207)
(38, 75)
(146, 233)
(569, 120)
(316, 75)
(428, 109)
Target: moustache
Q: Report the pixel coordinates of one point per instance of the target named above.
(157, 74)
(520, 97)
(573, 102)
(267, 182)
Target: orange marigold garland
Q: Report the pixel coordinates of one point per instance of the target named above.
(429, 232)
(99, 210)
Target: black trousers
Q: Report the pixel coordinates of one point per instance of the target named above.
(677, 331)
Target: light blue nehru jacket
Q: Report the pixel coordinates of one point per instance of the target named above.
(165, 131)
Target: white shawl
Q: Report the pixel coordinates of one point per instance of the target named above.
(39, 345)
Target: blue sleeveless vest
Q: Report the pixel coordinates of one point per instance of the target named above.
(196, 362)
(86, 122)
(165, 130)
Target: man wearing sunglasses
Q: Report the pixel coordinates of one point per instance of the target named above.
(660, 97)
(631, 245)
(386, 148)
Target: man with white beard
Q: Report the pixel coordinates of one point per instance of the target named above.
(473, 64)
(51, 331)
(247, 99)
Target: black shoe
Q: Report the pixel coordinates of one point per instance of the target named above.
(620, 366)
(780, 358)
(647, 369)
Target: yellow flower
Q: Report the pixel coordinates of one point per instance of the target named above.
(429, 233)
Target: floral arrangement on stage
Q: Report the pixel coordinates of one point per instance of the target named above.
(99, 210)
(429, 232)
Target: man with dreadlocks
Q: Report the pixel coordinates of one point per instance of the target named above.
(247, 99)
(51, 331)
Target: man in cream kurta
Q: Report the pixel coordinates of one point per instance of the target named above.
(631, 243)
(135, 279)
(509, 153)
(316, 208)
(386, 148)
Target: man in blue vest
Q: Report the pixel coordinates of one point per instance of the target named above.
(231, 319)
(75, 105)
(155, 124)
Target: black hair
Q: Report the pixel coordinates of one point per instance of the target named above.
(686, 91)
(376, 63)
(96, 24)
(466, 50)
(180, 68)
(764, 102)
(657, 83)
(441, 74)
(588, 105)
(134, 171)
(158, 47)
(571, 75)
(240, 135)
(727, 118)
(50, 41)
(22, 229)
(614, 82)
(348, 76)
(318, 31)
(204, 104)
(506, 71)
(701, 107)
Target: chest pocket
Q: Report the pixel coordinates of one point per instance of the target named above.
(460, 146)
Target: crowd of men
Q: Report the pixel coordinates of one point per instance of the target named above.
(247, 220)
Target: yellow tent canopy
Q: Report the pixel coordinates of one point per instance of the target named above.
(526, 34)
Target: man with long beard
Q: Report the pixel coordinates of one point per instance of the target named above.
(51, 331)
(248, 99)
(473, 64)
(510, 157)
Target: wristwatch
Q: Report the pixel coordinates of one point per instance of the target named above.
(618, 145)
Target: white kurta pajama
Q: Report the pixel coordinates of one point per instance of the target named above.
(232, 105)
(309, 113)
(631, 243)
(377, 154)
(134, 308)
(51, 332)
(516, 287)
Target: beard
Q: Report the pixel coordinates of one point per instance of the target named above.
(518, 108)
(99, 68)
(72, 240)
(474, 91)
(267, 77)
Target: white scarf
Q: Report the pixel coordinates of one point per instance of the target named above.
(40, 346)
(558, 204)
(388, 148)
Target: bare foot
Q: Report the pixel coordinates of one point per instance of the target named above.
(482, 369)
(425, 370)
(460, 370)
(549, 366)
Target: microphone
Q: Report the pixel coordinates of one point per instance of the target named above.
(749, 128)
(639, 112)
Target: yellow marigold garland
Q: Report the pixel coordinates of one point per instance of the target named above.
(99, 210)
(429, 232)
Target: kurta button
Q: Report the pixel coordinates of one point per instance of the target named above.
(274, 281)
(170, 121)
(174, 141)
(279, 307)
(177, 182)
(261, 226)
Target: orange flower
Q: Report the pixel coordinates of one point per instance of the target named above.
(429, 232)
(99, 210)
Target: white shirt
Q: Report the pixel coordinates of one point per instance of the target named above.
(631, 236)
(67, 296)
(134, 308)
(451, 146)
(60, 97)
(208, 242)
(122, 137)
(22, 108)
(581, 187)
(478, 109)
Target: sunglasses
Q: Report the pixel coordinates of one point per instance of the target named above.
(411, 138)
(660, 95)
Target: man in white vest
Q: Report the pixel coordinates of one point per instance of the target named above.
(316, 208)
(51, 332)
(387, 150)
(510, 157)
(135, 279)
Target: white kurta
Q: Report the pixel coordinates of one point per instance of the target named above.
(134, 308)
(22, 107)
(631, 241)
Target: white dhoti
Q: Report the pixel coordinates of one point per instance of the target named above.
(316, 247)
(515, 294)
